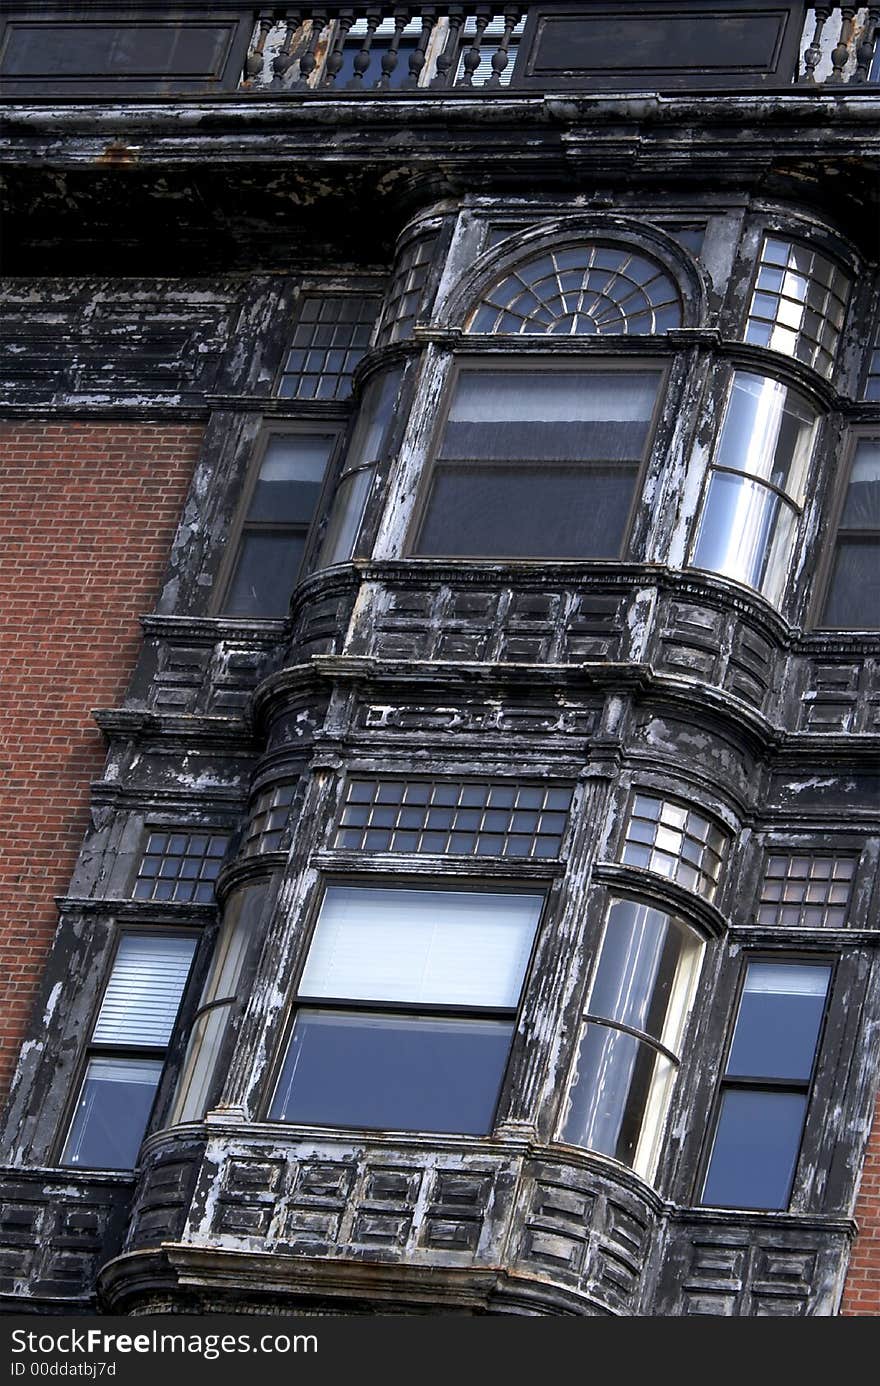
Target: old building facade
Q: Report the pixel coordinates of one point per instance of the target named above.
(474, 906)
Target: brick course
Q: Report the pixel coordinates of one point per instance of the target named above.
(861, 1294)
(87, 516)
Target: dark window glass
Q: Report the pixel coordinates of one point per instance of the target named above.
(538, 465)
(112, 1113)
(756, 1149)
(393, 1072)
(766, 1085)
(276, 527)
(180, 867)
(853, 600)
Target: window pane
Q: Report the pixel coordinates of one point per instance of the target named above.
(409, 1073)
(746, 533)
(143, 994)
(528, 512)
(768, 432)
(778, 1023)
(646, 973)
(565, 416)
(619, 1097)
(756, 1149)
(201, 1061)
(112, 1113)
(265, 575)
(854, 595)
(437, 946)
(290, 478)
(349, 504)
(862, 508)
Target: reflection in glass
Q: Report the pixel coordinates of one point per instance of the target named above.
(538, 464)
(756, 1149)
(645, 980)
(777, 1028)
(367, 451)
(112, 1113)
(756, 485)
(853, 600)
(413, 1073)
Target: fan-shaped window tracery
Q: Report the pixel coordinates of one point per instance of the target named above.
(580, 291)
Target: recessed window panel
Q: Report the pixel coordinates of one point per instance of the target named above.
(112, 1113)
(538, 464)
(393, 1072)
(853, 600)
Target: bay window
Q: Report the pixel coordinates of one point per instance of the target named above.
(539, 462)
(405, 1009)
(756, 486)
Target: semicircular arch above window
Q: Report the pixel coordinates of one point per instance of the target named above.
(581, 291)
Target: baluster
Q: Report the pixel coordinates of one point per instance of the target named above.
(840, 54)
(254, 64)
(472, 55)
(500, 57)
(813, 54)
(389, 59)
(286, 57)
(309, 60)
(334, 57)
(865, 50)
(447, 59)
(362, 61)
(417, 56)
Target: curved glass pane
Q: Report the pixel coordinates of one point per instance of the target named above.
(768, 433)
(746, 533)
(647, 971)
(581, 291)
(618, 1097)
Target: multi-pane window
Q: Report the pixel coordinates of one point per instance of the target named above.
(406, 293)
(331, 335)
(405, 1010)
(630, 1044)
(181, 866)
(220, 999)
(269, 819)
(539, 462)
(806, 892)
(799, 304)
(368, 451)
(766, 1085)
(853, 599)
(675, 841)
(756, 485)
(127, 1050)
(581, 290)
(492, 818)
(279, 511)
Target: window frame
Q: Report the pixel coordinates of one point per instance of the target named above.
(334, 425)
(856, 434)
(819, 957)
(90, 1050)
(395, 880)
(514, 359)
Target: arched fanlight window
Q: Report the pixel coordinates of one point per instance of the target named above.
(580, 291)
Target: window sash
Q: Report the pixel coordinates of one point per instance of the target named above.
(143, 994)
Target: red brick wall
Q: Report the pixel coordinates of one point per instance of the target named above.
(87, 515)
(862, 1292)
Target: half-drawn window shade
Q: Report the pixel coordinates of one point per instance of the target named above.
(581, 291)
(143, 994)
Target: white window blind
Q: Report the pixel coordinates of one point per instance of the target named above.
(434, 946)
(143, 995)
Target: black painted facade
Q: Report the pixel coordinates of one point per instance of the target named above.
(614, 676)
